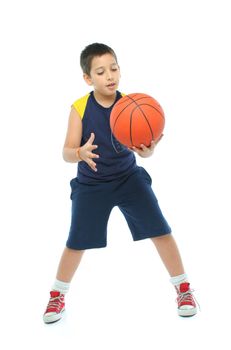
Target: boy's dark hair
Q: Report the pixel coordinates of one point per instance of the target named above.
(92, 51)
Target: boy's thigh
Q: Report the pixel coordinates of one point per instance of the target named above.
(140, 207)
(89, 216)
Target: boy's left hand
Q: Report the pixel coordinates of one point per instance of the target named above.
(144, 151)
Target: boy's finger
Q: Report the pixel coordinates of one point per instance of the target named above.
(143, 147)
(94, 147)
(92, 165)
(94, 155)
(92, 137)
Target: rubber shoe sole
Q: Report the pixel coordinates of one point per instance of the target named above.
(53, 317)
(187, 312)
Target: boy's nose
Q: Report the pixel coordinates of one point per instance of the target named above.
(109, 76)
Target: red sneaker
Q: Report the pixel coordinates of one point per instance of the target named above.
(55, 307)
(186, 301)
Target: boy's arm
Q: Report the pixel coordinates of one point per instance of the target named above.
(73, 137)
(72, 152)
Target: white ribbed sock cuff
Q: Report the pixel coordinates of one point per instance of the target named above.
(176, 280)
(61, 287)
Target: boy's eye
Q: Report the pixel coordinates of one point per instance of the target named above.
(112, 69)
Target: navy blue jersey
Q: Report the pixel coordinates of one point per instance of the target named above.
(115, 160)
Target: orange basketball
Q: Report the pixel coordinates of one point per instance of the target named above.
(137, 119)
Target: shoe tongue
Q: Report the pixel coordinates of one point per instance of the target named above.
(184, 287)
(54, 294)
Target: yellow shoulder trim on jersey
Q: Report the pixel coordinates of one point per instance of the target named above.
(123, 94)
(80, 105)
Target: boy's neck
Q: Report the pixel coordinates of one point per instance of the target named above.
(105, 101)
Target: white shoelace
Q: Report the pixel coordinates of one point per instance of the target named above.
(188, 296)
(54, 303)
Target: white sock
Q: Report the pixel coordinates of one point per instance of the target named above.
(61, 287)
(177, 280)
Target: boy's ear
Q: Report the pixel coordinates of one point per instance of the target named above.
(87, 79)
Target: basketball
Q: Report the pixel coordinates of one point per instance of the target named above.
(137, 119)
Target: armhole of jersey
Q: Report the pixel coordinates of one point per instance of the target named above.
(80, 105)
(122, 94)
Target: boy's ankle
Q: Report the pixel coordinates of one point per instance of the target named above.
(61, 287)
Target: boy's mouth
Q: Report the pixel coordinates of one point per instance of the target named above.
(111, 85)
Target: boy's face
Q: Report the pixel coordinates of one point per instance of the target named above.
(104, 74)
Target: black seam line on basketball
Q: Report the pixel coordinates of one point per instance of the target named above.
(126, 107)
(119, 102)
(144, 115)
(146, 104)
(131, 116)
(131, 129)
(138, 106)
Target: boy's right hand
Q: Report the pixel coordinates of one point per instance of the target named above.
(86, 153)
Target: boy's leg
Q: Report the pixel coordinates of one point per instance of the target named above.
(169, 253)
(68, 264)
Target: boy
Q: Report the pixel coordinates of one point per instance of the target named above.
(108, 176)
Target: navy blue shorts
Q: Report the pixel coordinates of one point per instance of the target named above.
(92, 205)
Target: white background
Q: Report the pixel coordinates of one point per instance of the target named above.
(120, 298)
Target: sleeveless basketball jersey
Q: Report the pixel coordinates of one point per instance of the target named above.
(115, 160)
